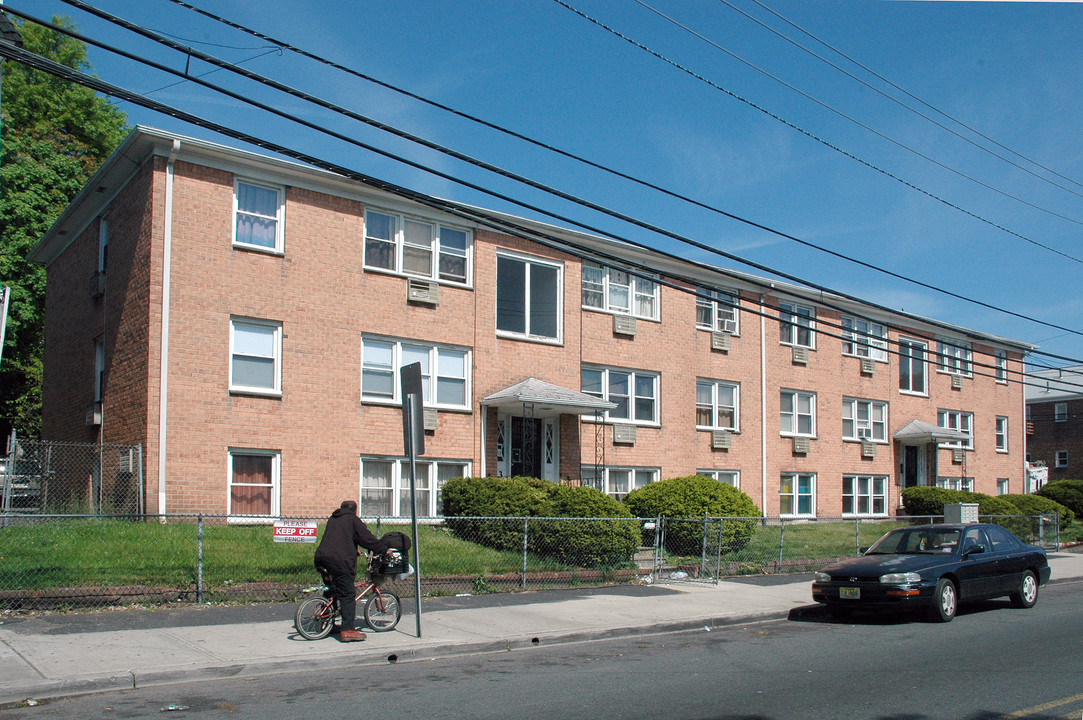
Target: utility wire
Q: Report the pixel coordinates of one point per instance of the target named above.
(813, 136)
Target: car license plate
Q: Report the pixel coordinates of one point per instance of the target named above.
(850, 593)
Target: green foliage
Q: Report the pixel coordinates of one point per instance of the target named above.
(931, 500)
(493, 497)
(55, 136)
(589, 543)
(1068, 493)
(1037, 505)
(695, 496)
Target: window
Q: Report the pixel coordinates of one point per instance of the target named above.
(1003, 485)
(862, 338)
(255, 348)
(912, 366)
(385, 485)
(864, 494)
(795, 325)
(1060, 412)
(797, 495)
(797, 413)
(618, 291)
(1062, 458)
(99, 369)
(727, 477)
(716, 310)
(717, 405)
(1002, 434)
(258, 216)
(864, 420)
(103, 244)
(965, 484)
(401, 244)
(253, 483)
(528, 302)
(619, 481)
(1001, 539)
(635, 393)
(444, 372)
(953, 359)
(955, 420)
(1001, 362)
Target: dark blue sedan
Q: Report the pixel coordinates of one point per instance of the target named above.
(935, 567)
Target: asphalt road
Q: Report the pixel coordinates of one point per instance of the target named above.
(992, 662)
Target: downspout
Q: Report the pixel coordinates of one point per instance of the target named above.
(763, 408)
(163, 372)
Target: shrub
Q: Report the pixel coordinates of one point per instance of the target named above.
(588, 543)
(490, 497)
(695, 496)
(1068, 493)
(931, 501)
(1038, 505)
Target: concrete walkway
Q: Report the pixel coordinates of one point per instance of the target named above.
(57, 655)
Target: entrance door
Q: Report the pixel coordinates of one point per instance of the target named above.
(528, 446)
(914, 466)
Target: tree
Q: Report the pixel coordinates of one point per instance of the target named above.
(55, 135)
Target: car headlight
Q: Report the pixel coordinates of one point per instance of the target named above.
(823, 577)
(900, 578)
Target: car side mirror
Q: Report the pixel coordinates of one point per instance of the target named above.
(973, 550)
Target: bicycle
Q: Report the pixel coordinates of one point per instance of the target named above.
(315, 617)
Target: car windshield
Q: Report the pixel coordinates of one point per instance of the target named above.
(916, 541)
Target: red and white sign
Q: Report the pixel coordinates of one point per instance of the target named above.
(303, 531)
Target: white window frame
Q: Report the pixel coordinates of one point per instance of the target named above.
(608, 374)
(956, 420)
(278, 217)
(876, 429)
(726, 477)
(437, 471)
(718, 310)
(795, 495)
(795, 414)
(611, 280)
(1000, 360)
(1002, 434)
(966, 484)
(528, 262)
(276, 356)
(275, 484)
(637, 477)
(874, 493)
(907, 358)
(953, 358)
(1003, 486)
(432, 371)
(1060, 412)
(437, 249)
(1061, 459)
(862, 338)
(715, 407)
(792, 319)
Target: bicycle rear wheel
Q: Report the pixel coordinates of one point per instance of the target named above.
(382, 612)
(314, 618)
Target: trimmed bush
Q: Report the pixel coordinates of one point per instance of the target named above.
(1037, 505)
(587, 543)
(1068, 493)
(931, 501)
(489, 497)
(695, 496)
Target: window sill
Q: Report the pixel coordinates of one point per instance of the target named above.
(386, 402)
(603, 311)
(427, 278)
(256, 392)
(704, 428)
(504, 334)
(274, 252)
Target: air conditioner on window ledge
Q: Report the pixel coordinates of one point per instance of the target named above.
(868, 449)
(624, 434)
(423, 292)
(868, 366)
(720, 341)
(721, 439)
(956, 382)
(624, 325)
(430, 419)
(801, 445)
(94, 414)
(800, 356)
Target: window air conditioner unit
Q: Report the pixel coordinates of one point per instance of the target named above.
(720, 341)
(957, 455)
(800, 355)
(800, 445)
(430, 419)
(94, 414)
(956, 382)
(624, 434)
(868, 449)
(729, 326)
(97, 285)
(868, 366)
(721, 439)
(127, 461)
(624, 325)
(423, 292)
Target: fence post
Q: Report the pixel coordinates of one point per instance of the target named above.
(199, 562)
(781, 544)
(718, 561)
(526, 534)
(703, 550)
(656, 570)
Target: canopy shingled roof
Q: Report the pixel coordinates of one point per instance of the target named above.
(547, 397)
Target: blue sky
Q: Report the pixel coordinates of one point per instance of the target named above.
(766, 132)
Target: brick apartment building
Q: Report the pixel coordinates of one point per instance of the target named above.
(1055, 421)
(244, 318)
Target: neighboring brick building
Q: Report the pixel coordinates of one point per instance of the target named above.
(1055, 421)
(271, 305)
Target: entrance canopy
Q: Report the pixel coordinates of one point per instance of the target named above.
(917, 432)
(547, 398)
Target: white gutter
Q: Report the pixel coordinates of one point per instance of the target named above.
(763, 410)
(163, 372)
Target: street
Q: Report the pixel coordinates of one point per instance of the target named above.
(991, 662)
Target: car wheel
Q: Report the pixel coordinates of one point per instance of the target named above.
(1027, 594)
(945, 601)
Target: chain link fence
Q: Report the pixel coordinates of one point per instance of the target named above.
(71, 478)
(62, 562)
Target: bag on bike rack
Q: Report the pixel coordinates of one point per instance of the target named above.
(400, 542)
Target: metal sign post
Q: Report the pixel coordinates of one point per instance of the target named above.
(413, 434)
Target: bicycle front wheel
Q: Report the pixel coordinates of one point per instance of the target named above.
(382, 612)
(314, 618)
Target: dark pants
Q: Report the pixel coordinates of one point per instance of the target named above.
(340, 580)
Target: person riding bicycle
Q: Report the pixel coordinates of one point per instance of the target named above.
(336, 561)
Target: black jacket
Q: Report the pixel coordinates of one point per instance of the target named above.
(345, 532)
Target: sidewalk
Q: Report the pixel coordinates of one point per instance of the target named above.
(54, 656)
